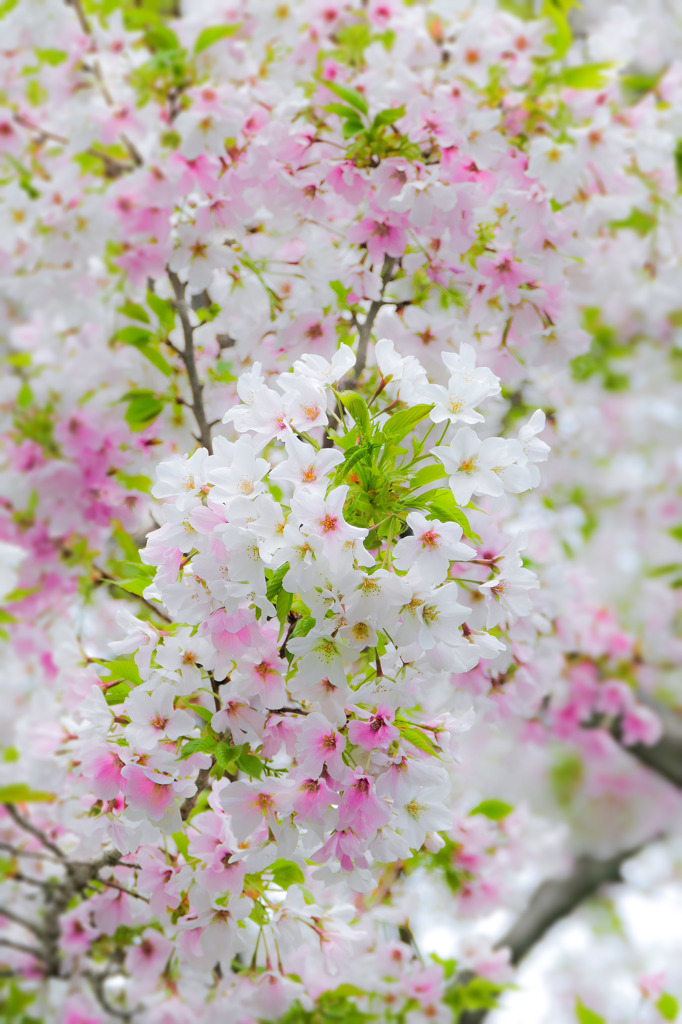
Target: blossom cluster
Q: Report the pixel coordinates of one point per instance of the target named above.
(268, 670)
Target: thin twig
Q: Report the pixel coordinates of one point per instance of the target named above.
(97, 985)
(133, 151)
(121, 888)
(16, 852)
(18, 919)
(189, 359)
(106, 577)
(22, 948)
(80, 14)
(27, 826)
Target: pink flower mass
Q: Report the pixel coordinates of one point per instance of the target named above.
(340, 511)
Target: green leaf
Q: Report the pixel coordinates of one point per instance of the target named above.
(20, 793)
(203, 745)
(303, 626)
(134, 586)
(132, 335)
(117, 693)
(363, 453)
(143, 408)
(586, 76)
(286, 873)
(416, 737)
(350, 96)
(134, 311)
(259, 914)
(52, 57)
(283, 605)
(341, 109)
(341, 292)
(200, 711)
(401, 423)
(153, 354)
(182, 843)
(386, 117)
(667, 1006)
(353, 126)
(584, 1015)
(496, 810)
(562, 37)
(134, 482)
(442, 506)
(638, 221)
(274, 584)
(427, 475)
(20, 594)
(121, 668)
(250, 764)
(213, 34)
(226, 756)
(164, 310)
(357, 407)
(129, 548)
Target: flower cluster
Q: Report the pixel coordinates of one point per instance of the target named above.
(267, 672)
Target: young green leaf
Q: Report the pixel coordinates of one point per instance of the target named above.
(350, 96)
(214, 34)
(584, 1015)
(495, 810)
(20, 793)
(401, 423)
(286, 873)
(357, 407)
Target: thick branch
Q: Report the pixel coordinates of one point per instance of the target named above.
(551, 902)
(559, 897)
(664, 756)
(189, 359)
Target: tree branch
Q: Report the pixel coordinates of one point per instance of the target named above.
(20, 947)
(551, 902)
(558, 897)
(28, 925)
(664, 756)
(189, 359)
(27, 826)
(365, 328)
(105, 577)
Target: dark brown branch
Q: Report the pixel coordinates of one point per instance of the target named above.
(664, 756)
(551, 902)
(189, 359)
(558, 897)
(203, 782)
